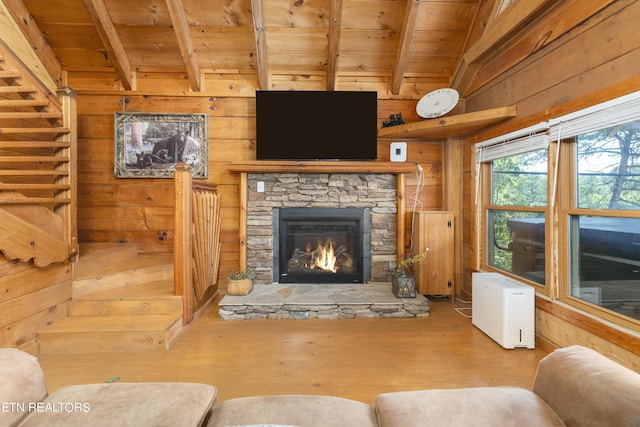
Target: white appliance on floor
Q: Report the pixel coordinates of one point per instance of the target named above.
(503, 309)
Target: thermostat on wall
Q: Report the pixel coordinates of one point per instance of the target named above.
(398, 152)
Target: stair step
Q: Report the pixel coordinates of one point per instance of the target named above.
(140, 269)
(18, 89)
(30, 115)
(52, 130)
(158, 289)
(137, 307)
(125, 333)
(123, 301)
(34, 159)
(34, 144)
(13, 103)
(94, 256)
(146, 298)
(32, 172)
(10, 74)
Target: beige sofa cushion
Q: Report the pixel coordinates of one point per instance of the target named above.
(587, 389)
(126, 404)
(21, 383)
(477, 406)
(293, 410)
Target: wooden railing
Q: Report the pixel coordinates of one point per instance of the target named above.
(196, 249)
(37, 166)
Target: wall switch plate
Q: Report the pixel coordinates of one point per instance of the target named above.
(398, 152)
(260, 187)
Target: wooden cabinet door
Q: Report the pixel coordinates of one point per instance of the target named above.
(434, 233)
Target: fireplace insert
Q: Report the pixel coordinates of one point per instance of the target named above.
(322, 245)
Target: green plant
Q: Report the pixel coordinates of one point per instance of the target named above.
(401, 269)
(240, 275)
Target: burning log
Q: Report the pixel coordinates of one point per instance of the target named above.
(324, 258)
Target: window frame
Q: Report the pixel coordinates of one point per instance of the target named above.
(562, 204)
(486, 206)
(568, 207)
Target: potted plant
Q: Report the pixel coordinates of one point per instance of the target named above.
(240, 282)
(403, 282)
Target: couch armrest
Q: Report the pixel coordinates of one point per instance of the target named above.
(587, 389)
(126, 404)
(21, 383)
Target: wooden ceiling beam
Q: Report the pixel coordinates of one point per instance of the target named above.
(34, 36)
(185, 42)
(406, 37)
(335, 23)
(261, 43)
(505, 26)
(116, 53)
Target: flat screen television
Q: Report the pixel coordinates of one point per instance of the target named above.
(316, 125)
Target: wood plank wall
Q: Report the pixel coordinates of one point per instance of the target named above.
(595, 60)
(31, 299)
(140, 210)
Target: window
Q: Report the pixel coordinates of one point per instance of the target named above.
(566, 216)
(605, 262)
(608, 168)
(516, 215)
(604, 251)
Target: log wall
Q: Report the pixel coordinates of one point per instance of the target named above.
(595, 60)
(141, 210)
(30, 299)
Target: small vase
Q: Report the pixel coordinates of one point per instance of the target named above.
(403, 286)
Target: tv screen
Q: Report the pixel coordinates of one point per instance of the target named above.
(316, 125)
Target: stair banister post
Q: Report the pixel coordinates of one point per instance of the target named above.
(70, 211)
(182, 259)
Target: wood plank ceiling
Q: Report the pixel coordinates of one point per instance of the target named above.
(395, 39)
(400, 42)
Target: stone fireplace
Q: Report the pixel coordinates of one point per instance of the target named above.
(324, 210)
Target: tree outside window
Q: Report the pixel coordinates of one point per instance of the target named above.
(516, 217)
(604, 241)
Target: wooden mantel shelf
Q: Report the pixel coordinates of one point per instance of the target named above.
(450, 126)
(268, 166)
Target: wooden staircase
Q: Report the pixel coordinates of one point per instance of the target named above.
(37, 161)
(122, 301)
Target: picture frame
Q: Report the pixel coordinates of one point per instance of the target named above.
(149, 145)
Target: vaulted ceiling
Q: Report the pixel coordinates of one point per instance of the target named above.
(399, 41)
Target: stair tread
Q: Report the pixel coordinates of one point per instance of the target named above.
(159, 289)
(120, 323)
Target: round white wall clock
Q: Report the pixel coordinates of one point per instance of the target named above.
(437, 103)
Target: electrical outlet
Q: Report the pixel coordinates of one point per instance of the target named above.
(260, 187)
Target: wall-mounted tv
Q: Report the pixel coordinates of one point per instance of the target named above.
(316, 125)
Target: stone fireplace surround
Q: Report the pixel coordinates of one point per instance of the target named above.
(379, 186)
(317, 190)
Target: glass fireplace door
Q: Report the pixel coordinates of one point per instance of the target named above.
(321, 246)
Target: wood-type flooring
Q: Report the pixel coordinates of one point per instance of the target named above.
(350, 358)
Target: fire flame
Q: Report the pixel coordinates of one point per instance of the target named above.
(324, 256)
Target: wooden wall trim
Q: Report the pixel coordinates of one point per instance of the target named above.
(617, 336)
(266, 166)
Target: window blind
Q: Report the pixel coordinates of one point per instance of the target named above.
(615, 112)
(521, 141)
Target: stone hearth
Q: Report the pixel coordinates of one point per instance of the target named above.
(326, 301)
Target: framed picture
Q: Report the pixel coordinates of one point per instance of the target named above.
(148, 145)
